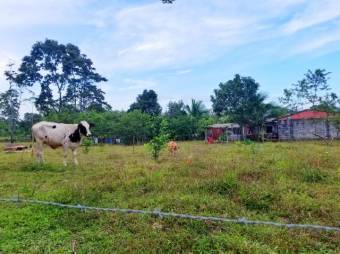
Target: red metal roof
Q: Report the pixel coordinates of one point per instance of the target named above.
(307, 114)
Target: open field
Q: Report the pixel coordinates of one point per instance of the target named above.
(285, 182)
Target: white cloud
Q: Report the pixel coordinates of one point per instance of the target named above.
(315, 13)
(316, 43)
(184, 71)
(5, 59)
(19, 14)
(148, 36)
(151, 36)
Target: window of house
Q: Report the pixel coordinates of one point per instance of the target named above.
(269, 129)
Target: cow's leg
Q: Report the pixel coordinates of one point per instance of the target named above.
(39, 151)
(74, 152)
(65, 155)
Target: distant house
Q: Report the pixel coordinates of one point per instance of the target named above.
(225, 131)
(303, 125)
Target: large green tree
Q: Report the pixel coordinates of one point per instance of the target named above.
(147, 102)
(175, 109)
(135, 127)
(311, 91)
(240, 99)
(60, 69)
(82, 92)
(27, 122)
(196, 108)
(10, 103)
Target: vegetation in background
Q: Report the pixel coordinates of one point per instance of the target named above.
(196, 108)
(335, 121)
(64, 69)
(176, 109)
(73, 76)
(312, 90)
(168, 1)
(10, 104)
(147, 102)
(240, 100)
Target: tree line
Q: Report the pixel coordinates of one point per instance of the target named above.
(67, 82)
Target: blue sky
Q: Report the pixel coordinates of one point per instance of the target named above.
(184, 50)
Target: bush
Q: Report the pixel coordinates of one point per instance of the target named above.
(156, 145)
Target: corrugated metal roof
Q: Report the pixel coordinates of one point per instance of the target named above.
(306, 114)
(272, 119)
(224, 125)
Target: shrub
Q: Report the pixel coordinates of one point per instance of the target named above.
(156, 145)
(158, 142)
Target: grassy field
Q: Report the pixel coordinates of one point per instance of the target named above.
(285, 182)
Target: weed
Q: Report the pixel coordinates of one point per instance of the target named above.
(313, 176)
(87, 143)
(47, 167)
(256, 199)
(225, 186)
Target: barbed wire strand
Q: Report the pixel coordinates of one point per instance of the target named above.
(161, 214)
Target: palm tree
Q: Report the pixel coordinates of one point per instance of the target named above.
(196, 109)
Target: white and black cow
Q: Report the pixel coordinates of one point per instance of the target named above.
(68, 136)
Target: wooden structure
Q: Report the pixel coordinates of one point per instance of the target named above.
(14, 148)
(223, 132)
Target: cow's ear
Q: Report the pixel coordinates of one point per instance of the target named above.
(92, 125)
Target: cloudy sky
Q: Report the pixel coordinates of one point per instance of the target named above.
(184, 50)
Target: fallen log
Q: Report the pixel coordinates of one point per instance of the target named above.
(15, 148)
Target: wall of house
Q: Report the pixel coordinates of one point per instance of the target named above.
(305, 129)
(232, 134)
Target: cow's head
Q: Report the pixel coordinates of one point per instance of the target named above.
(84, 128)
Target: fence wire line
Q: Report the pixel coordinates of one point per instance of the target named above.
(161, 214)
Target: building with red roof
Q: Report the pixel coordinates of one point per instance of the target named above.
(303, 125)
(306, 114)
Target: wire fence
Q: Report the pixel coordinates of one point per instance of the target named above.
(161, 214)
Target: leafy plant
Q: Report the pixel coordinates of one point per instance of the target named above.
(87, 143)
(158, 143)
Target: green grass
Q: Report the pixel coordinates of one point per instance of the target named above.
(284, 182)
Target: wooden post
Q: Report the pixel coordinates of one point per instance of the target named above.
(133, 144)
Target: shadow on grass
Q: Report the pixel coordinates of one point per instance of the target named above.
(34, 167)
